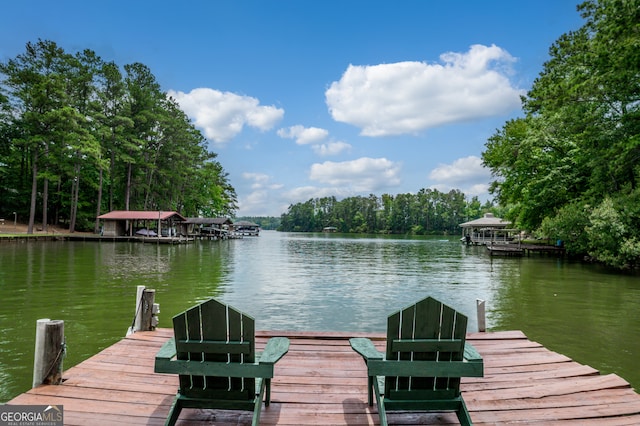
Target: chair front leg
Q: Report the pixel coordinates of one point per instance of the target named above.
(267, 397)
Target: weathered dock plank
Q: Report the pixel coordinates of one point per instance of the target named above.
(505, 250)
(322, 381)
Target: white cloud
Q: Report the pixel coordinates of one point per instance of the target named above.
(461, 170)
(260, 197)
(260, 180)
(407, 97)
(331, 148)
(314, 136)
(223, 115)
(466, 174)
(253, 199)
(304, 193)
(361, 175)
(303, 135)
(480, 189)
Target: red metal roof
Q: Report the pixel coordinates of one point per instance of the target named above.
(140, 215)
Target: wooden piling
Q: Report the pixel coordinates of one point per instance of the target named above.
(148, 298)
(49, 352)
(482, 319)
(145, 313)
(137, 322)
(154, 315)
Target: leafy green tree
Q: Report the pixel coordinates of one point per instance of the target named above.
(142, 96)
(112, 121)
(370, 213)
(579, 141)
(401, 214)
(38, 82)
(605, 231)
(473, 209)
(384, 221)
(83, 148)
(212, 194)
(569, 225)
(71, 125)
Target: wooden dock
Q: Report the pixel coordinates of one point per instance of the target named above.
(321, 381)
(505, 250)
(514, 249)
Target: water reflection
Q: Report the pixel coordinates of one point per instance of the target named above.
(320, 282)
(120, 261)
(582, 311)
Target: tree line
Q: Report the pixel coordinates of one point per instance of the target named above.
(570, 168)
(429, 211)
(80, 136)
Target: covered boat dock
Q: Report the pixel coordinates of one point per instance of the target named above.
(487, 230)
(144, 223)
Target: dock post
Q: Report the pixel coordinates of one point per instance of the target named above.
(49, 352)
(482, 320)
(137, 323)
(146, 310)
(154, 315)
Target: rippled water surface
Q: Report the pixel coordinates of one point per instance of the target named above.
(310, 282)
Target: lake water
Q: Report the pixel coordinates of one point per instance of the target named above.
(318, 282)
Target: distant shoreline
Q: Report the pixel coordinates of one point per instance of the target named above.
(8, 229)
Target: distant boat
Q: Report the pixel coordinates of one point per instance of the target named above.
(146, 232)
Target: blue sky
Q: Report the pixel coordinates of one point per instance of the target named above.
(304, 99)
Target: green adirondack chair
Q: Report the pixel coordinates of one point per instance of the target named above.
(425, 358)
(213, 352)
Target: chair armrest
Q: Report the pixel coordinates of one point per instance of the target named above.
(275, 349)
(471, 354)
(168, 350)
(365, 348)
(164, 356)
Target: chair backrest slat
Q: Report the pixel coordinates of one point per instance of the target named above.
(180, 333)
(393, 332)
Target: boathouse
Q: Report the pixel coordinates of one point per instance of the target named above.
(216, 226)
(120, 223)
(486, 230)
(244, 227)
